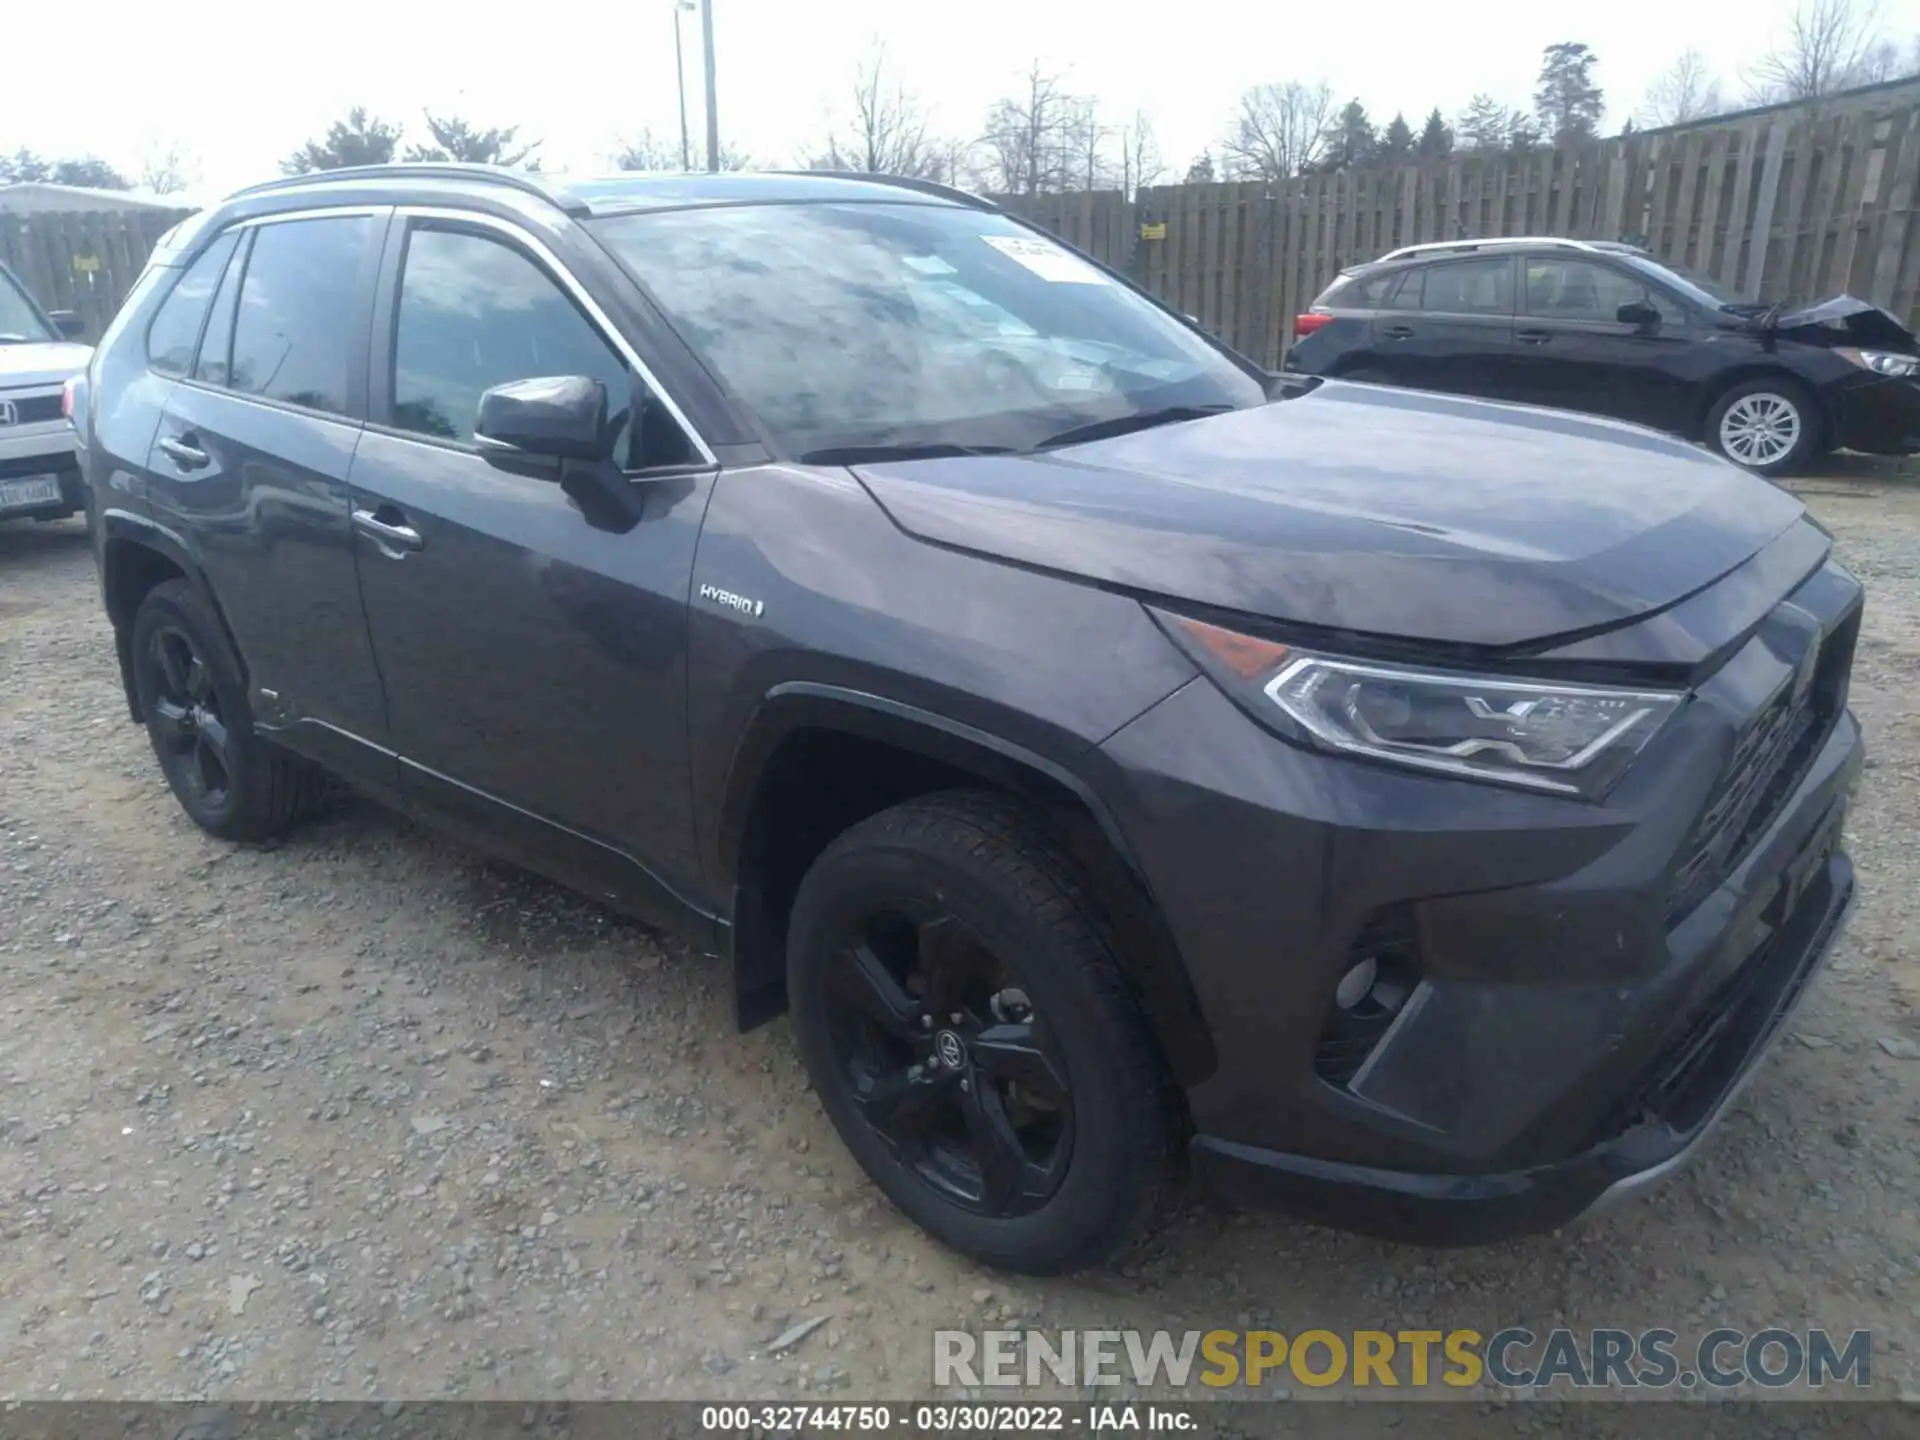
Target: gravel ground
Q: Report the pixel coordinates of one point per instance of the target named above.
(363, 1115)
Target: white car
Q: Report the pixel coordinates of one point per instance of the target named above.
(39, 476)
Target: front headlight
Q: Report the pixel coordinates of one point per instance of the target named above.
(1544, 735)
(1882, 362)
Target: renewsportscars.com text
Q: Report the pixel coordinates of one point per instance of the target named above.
(1515, 1358)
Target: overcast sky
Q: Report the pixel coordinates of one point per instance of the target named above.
(239, 84)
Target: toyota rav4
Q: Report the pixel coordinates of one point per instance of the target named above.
(1414, 810)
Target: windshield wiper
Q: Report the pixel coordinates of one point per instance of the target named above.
(11, 339)
(1123, 424)
(874, 454)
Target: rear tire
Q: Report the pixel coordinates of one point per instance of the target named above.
(1771, 425)
(232, 783)
(1030, 1122)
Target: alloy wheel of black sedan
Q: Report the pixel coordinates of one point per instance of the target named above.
(948, 1062)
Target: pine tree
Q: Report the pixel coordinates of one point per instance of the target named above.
(1436, 137)
(1483, 125)
(1350, 139)
(360, 139)
(1567, 101)
(1396, 142)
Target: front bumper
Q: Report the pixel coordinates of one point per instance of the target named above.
(1880, 416)
(1446, 1209)
(1589, 1000)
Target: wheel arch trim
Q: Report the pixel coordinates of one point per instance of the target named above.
(123, 529)
(1158, 969)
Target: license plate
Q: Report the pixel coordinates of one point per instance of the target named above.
(34, 490)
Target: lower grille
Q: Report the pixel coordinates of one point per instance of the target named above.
(1770, 760)
(1695, 1070)
(33, 409)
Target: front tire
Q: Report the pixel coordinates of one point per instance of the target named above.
(1771, 426)
(972, 1038)
(232, 784)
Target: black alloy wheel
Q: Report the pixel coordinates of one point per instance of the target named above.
(949, 1063)
(190, 734)
(960, 1004)
(232, 783)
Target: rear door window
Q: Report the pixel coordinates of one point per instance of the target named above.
(175, 332)
(298, 320)
(216, 344)
(1352, 292)
(1459, 287)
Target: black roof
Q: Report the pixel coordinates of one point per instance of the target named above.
(626, 191)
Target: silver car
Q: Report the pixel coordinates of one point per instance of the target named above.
(39, 476)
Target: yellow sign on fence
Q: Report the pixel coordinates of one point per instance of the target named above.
(85, 264)
(1155, 231)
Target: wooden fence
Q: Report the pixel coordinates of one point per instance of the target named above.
(82, 261)
(1786, 204)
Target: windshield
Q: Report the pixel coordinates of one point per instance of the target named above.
(843, 326)
(19, 319)
(1702, 290)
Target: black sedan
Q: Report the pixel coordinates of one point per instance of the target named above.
(1606, 328)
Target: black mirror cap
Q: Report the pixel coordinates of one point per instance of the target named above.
(69, 323)
(562, 416)
(1637, 312)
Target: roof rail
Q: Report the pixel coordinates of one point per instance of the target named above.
(1435, 247)
(524, 181)
(903, 182)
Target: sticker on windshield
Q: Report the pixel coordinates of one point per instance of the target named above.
(1046, 259)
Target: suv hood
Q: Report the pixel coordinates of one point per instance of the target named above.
(37, 362)
(1846, 320)
(1355, 507)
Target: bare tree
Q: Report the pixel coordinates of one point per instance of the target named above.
(886, 132)
(1027, 142)
(1685, 90)
(1141, 160)
(1090, 166)
(1278, 130)
(647, 151)
(166, 169)
(1829, 45)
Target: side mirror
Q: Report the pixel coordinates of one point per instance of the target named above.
(555, 427)
(1639, 314)
(562, 417)
(68, 322)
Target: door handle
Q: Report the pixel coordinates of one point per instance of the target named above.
(1398, 332)
(398, 536)
(187, 456)
(1533, 337)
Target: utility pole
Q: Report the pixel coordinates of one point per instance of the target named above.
(680, 70)
(713, 110)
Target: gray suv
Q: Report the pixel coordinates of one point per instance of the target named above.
(39, 475)
(1417, 811)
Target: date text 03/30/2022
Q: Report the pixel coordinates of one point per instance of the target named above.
(946, 1419)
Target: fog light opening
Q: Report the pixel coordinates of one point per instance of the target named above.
(1357, 984)
(1381, 975)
